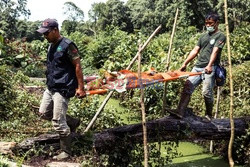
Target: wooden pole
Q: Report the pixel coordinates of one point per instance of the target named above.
(230, 146)
(144, 46)
(168, 61)
(98, 111)
(217, 101)
(110, 93)
(216, 114)
(144, 127)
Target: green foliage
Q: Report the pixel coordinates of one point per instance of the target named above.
(147, 15)
(69, 26)
(16, 105)
(97, 12)
(4, 162)
(118, 15)
(238, 11)
(2, 47)
(157, 157)
(27, 30)
(74, 13)
(241, 147)
(25, 56)
(114, 13)
(9, 13)
(112, 49)
(241, 91)
(86, 109)
(240, 43)
(8, 95)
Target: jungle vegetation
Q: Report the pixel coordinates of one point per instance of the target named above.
(108, 40)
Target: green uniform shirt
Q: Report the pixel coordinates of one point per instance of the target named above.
(206, 43)
(73, 52)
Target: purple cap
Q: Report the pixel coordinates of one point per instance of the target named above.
(47, 25)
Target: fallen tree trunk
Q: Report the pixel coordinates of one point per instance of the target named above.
(164, 129)
(170, 129)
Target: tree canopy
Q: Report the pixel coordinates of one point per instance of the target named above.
(9, 14)
(132, 16)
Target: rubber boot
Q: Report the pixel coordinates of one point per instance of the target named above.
(183, 103)
(73, 123)
(65, 145)
(185, 98)
(209, 109)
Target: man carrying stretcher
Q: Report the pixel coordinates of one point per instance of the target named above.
(209, 47)
(208, 52)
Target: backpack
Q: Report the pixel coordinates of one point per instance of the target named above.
(220, 75)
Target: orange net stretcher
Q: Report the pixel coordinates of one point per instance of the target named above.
(125, 79)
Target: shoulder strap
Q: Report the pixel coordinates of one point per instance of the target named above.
(66, 42)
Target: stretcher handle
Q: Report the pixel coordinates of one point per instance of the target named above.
(97, 91)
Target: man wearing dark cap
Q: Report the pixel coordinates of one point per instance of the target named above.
(208, 52)
(64, 80)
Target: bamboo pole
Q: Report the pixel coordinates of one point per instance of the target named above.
(98, 111)
(230, 146)
(110, 93)
(168, 61)
(143, 47)
(219, 89)
(143, 114)
(216, 114)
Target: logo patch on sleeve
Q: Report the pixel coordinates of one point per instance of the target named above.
(221, 42)
(74, 51)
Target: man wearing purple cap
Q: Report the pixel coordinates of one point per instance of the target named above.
(64, 80)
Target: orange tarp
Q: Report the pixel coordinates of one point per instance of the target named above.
(125, 79)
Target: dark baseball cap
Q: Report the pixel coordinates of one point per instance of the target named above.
(47, 24)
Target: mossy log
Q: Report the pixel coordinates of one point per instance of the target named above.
(168, 128)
